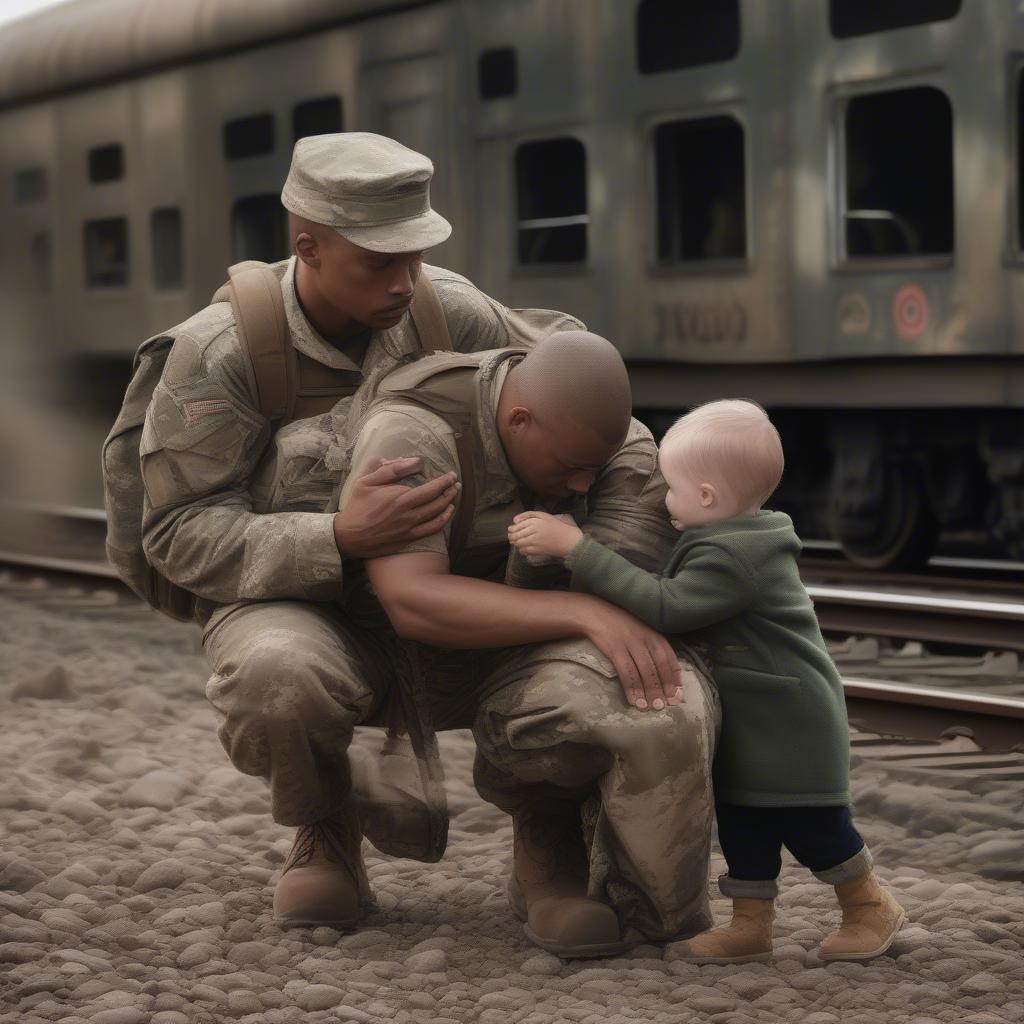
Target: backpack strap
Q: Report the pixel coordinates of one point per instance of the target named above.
(428, 316)
(254, 292)
(467, 499)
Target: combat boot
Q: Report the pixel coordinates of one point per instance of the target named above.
(747, 938)
(323, 880)
(871, 919)
(547, 889)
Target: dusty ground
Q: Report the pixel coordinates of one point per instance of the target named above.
(137, 867)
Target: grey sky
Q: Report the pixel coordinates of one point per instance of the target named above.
(11, 9)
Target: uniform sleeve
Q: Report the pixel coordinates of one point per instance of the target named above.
(710, 586)
(477, 323)
(396, 434)
(626, 503)
(202, 438)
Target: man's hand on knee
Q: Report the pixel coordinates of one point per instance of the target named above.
(382, 516)
(644, 660)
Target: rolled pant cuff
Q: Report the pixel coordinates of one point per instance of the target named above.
(745, 888)
(859, 864)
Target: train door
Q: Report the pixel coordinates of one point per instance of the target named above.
(405, 99)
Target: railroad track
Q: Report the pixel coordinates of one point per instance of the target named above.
(903, 696)
(945, 609)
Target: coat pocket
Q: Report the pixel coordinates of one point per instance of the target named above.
(749, 680)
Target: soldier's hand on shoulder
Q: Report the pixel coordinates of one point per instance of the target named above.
(382, 516)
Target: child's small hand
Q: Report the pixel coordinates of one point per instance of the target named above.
(537, 533)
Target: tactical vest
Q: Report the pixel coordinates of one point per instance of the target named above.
(446, 384)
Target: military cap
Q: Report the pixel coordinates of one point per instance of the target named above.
(370, 189)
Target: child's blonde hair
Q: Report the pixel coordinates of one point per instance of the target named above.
(731, 441)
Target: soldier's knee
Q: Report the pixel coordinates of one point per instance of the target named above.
(274, 679)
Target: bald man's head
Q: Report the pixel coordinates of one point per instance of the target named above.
(564, 411)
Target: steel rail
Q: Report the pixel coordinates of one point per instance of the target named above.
(924, 712)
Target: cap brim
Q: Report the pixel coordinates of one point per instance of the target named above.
(413, 235)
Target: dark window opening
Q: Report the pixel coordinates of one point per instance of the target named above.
(671, 34)
(316, 117)
(497, 73)
(701, 190)
(551, 179)
(94, 383)
(848, 18)
(249, 136)
(167, 253)
(106, 163)
(259, 229)
(899, 173)
(1020, 160)
(41, 257)
(30, 185)
(106, 253)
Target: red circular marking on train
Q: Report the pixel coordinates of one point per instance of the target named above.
(910, 311)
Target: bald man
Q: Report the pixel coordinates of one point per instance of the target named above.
(606, 780)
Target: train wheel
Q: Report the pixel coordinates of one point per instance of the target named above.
(895, 530)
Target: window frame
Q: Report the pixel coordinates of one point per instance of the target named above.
(830, 28)
(36, 173)
(683, 68)
(107, 289)
(155, 284)
(574, 268)
(838, 99)
(295, 107)
(497, 98)
(1013, 250)
(696, 268)
(263, 154)
(92, 156)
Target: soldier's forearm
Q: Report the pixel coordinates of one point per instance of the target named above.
(227, 553)
(459, 612)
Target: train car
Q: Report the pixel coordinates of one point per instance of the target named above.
(812, 203)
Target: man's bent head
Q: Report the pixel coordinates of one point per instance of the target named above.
(564, 412)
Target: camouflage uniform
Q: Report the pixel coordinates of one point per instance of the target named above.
(550, 720)
(204, 437)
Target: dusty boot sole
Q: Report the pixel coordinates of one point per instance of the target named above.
(518, 905)
(872, 953)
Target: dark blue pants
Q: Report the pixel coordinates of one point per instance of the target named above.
(821, 838)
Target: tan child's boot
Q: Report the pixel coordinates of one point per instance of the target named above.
(747, 938)
(871, 919)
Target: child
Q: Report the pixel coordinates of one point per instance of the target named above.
(781, 769)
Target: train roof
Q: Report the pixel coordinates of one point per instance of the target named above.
(90, 42)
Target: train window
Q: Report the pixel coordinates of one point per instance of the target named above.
(106, 253)
(1020, 161)
(41, 256)
(30, 185)
(672, 35)
(496, 73)
(249, 136)
(551, 180)
(899, 173)
(316, 117)
(259, 229)
(167, 254)
(106, 163)
(701, 190)
(848, 18)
